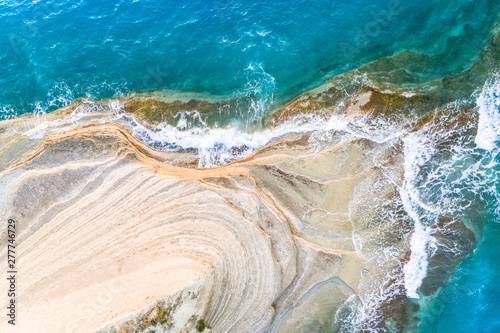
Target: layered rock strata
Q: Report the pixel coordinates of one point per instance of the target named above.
(307, 234)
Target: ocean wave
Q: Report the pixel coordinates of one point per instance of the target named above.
(488, 103)
(219, 146)
(450, 172)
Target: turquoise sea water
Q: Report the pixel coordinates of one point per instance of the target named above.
(270, 51)
(466, 184)
(54, 52)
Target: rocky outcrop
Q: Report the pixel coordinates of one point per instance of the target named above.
(307, 234)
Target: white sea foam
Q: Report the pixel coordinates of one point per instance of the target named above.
(434, 188)
(417, 151)
(488, 103)
(7, 112)
(220, 145)
(217, 146)
(260, 88)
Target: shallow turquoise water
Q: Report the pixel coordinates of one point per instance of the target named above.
(52, 53)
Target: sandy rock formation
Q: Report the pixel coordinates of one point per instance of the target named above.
(300, 236)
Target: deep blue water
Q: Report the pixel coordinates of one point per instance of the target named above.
(54, 52)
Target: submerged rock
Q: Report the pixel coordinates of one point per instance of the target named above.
(452, 242)
(151, 110)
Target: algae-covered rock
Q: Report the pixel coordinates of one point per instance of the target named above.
(452, 242)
